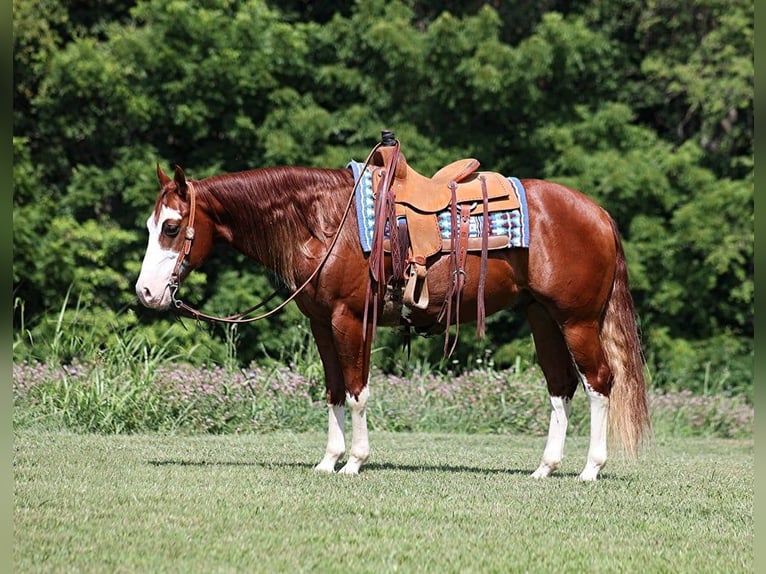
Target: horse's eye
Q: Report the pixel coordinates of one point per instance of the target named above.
(171, 229)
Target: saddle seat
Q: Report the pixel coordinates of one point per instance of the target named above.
(420, 199)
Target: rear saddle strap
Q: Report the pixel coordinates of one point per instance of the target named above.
(458, 256)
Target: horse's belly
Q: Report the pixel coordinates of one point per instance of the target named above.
(504, 281)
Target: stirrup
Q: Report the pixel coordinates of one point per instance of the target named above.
(416, 287)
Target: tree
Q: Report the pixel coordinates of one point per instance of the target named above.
(644, 106)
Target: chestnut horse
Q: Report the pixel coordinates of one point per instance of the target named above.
(571, 283)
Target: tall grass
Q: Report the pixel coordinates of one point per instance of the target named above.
(134, 390)
(113, 391)
(135, 385)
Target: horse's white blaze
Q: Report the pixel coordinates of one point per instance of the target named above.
(336, 442)
(360, 441)
(599, 417)
(158, 264)
(557, 433)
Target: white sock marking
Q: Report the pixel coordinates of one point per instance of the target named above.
(557, 433)
(599, 419)
(336, 441)
(360, 442)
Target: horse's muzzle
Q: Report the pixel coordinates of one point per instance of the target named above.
(153, 299)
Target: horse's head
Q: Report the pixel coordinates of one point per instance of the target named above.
(180, 239)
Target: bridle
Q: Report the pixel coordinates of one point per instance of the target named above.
(175, 276)
(174, 283)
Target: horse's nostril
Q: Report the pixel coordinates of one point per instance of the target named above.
(143, 293)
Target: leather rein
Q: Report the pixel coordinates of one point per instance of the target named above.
(175, 278)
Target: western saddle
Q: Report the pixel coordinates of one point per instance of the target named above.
(411, 212)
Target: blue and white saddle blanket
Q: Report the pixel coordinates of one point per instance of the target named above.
(512, 224)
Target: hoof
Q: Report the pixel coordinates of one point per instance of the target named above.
(349, 468)
(588, 475)
(545, 470)
(327, 464)
(587, 478)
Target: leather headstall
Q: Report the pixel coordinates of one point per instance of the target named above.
(175, 277)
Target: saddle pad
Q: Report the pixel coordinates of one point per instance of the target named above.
(513, 224)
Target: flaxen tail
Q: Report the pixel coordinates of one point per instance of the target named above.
(629, 421)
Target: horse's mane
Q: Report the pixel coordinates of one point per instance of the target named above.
(271, 205)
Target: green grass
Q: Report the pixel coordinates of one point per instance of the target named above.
(425, 503)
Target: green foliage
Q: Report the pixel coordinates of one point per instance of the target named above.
(687, 71)
(721, 365)
(279, 338)
(32, 209)
(38, 27)
(647, 106)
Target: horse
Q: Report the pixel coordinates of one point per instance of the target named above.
(571, 283)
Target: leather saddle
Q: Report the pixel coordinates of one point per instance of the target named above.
(454, 194)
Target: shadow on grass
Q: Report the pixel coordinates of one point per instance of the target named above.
(376, 466)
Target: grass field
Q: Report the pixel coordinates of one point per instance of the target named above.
(425, 503)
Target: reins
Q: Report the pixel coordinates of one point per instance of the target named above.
(175, 278)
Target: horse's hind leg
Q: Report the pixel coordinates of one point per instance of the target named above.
(585, 345)
(562, 379)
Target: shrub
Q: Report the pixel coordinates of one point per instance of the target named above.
(128, 392)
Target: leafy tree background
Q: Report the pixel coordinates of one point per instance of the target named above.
(645, 105)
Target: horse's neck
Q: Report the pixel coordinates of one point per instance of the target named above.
(279, 221)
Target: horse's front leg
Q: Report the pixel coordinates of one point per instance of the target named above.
(336, 445)
(346, 370)
(360, 442)
(336, 441)
(336, 396)
(354, 360)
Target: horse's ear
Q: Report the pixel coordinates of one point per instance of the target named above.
(180, 180)
(162, 176)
